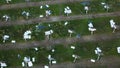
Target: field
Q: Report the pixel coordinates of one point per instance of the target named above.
(60, 30)
(63, 53)
(77, 8)
(20, 1)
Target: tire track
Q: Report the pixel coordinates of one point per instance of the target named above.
(64, 41)
(34, 4)
(58, 18)
(107, 62)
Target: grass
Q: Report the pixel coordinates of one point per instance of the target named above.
(62, 53)
(77, 8)
(22, 1)
(60, 31)
(6, 55)
(19, 1)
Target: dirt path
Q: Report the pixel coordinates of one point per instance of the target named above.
(33, 4)
(64, 41)
(107, 62)
(59, 18)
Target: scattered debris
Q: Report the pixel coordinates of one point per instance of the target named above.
(8, 1)
(73, 47)
(78, 36)
(28, 62)
(48, 13)
(47, 5)
(5, 37)
(23, 64)
(48, 33)
(118, 49)
(41, 7)
(54, 62)
(67, 10)
(106, 6)
(91, 28)
(51, 60)
(98, 51)
(86, 9)
(65, 23)
(13, 41)
(3, 64)
(75, 57)
(6, 17)
(70, 31)
(36, 49)
(103, 3)
(41, 16)
(19, 56)
(53, 50)
(33, 59)
(26, 14)
(46, 66)
(113, 25)
(92, 60)
(27, 35)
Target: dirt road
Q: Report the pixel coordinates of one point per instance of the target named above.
(107, 62)
(64, 41)
(33, 4)
(59, 18)
(104, 62)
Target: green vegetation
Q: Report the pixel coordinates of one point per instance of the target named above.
(60, 30)
(77, 8)
(19, 1)
(63, 53)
